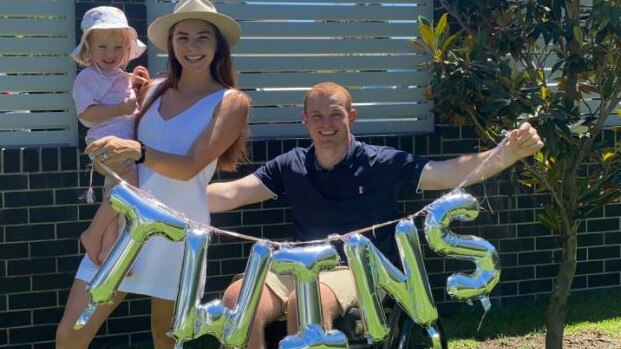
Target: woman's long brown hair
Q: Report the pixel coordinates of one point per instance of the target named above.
(222, 71)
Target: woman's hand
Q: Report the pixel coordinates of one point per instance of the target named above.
(114, 152)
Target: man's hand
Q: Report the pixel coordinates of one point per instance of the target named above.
(522, 142)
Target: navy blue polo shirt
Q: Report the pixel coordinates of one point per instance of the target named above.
(361, 190)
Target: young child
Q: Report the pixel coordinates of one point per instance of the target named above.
(106, 102)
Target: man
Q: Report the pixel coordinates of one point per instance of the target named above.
(338, 185)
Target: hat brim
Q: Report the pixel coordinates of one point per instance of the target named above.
(158, 30)
(136, 47)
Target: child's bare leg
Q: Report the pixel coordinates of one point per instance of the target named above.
(131, 176)
(112, 230)
(92, 237)
(108, 239)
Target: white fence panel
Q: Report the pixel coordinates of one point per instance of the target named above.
(36, 74)
(287, 46)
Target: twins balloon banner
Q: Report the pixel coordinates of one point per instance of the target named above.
(371, 272)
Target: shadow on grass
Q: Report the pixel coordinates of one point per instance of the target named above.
(591, 306)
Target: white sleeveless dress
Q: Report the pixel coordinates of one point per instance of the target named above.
(158, 265)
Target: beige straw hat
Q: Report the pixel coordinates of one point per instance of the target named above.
(193, 9)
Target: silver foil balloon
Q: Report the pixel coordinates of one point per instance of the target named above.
(458, 205)
(193, 319)
(304, 264)
(411, 289)
(191, 284)
(145, 216)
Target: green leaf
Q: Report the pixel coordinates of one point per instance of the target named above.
(544, 91)
(608, 155)
(420, 45)
(427, 36)
(448, 42)
(607, 86)
(441, 25)
(548, 218)
(424, 20)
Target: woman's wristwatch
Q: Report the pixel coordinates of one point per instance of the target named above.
(143, 151)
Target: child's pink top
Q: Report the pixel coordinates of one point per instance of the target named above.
(92, 87)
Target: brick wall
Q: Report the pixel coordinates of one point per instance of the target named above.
(41, 219)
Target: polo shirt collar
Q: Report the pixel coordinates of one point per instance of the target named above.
(346, 162)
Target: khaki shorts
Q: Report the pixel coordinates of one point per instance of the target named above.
(339, 280)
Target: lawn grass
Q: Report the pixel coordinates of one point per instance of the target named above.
(596, 311)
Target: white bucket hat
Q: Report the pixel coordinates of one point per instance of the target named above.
(193, 9)
(108, 17)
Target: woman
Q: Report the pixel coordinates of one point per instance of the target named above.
(191, 123)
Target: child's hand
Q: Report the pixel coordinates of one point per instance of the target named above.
(128, 106)
(141, 72)
(140, 82)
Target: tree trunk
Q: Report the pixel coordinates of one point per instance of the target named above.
(557, 306)
(568, 229)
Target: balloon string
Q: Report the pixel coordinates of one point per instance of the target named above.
(110, 172)
(487, 305)
(88, 195)
(240, 235)
(483, 163)
(481, 321)
(331, 237)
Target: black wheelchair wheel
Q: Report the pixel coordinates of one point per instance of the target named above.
(406, 334)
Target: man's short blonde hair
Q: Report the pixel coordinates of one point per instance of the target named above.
(328, 89)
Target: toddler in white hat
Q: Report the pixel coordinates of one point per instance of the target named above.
(106, 103)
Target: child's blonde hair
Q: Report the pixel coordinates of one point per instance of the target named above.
(83, 56)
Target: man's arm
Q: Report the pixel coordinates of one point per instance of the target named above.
(448, 174)
(226, 196)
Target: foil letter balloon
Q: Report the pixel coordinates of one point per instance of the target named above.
(145, 216)
(411, 289)
(230, 326)
(458, 205)
(304, 264)
(191, 284)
